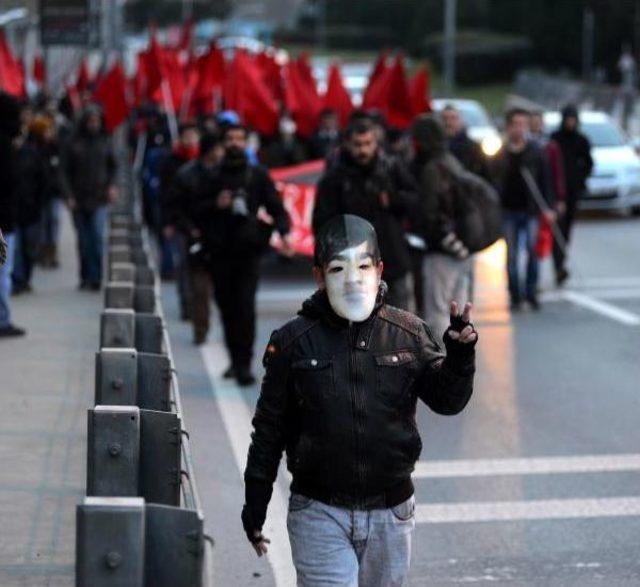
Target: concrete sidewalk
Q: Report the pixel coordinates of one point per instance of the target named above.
(46, 386)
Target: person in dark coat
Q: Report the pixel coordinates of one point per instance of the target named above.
(235, 234)
(365, 182)
(30, 190)
(578, 164)
(519, 160)
(340, 395)
(89, 182)
(461, 145)
(9, 129)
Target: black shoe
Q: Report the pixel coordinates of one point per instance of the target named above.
(11, 330)
(94, 286)
(534, 303)
(230, 372)
(83, 285)
(244, 377)
(515, 305)
(561, 277)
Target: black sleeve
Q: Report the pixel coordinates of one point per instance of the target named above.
(326, 204)
(587, 166)
(446, 383)
(268, 438)
(545, 179)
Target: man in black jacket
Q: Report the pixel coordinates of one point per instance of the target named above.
(188, 188)
(523, 180)
(340, 396)
(368, 184)
(576, 156)
(236, 232)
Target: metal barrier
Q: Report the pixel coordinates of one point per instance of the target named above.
(141, 524)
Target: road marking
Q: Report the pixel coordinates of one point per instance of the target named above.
(509, 511)
(237, 422)
(527, 466)
(603, 308)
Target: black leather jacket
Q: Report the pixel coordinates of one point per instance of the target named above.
(341, 399)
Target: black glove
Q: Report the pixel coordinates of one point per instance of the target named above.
(460, 355)
(254, 513)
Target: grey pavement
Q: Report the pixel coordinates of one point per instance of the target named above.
(46, 384)
(557, 390)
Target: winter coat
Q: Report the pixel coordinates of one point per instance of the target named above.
(576, 157)
(341, 398)
(349, 188)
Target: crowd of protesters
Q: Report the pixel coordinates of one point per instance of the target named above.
(50, 159)
(208, 198)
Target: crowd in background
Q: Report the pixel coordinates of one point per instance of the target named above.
(432, 195)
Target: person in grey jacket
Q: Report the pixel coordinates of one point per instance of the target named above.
(89, 175)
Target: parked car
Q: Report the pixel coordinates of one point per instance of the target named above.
(478, 123)
(615, 181)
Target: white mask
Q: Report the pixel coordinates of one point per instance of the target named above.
(352, 282)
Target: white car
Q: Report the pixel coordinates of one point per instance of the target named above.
(615, 180)
(477, 122)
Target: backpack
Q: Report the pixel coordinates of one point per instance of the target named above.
(478, 214)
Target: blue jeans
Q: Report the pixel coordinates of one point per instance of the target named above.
(51, 222)
(5, 281)
(521, 231)
(338, 547)
(90, 226)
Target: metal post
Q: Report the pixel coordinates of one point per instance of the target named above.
(588, 31)
(449, 45)
(110, 542)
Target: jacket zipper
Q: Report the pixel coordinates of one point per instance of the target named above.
(356, 407)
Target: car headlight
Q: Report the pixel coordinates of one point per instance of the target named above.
(491, 145)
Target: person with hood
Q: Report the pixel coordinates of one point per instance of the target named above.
(578, 164)
(89, 183)
(235, 233)
(365, 182)
(340, 396)
(522, 177)
(459, 215)
(9, 130)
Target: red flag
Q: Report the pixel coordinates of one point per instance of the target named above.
(83, 79)
(211, 72)
(398, 108)
(301, 100)
(372, 98)
(11, 70)
(246, 93)
(39, 70)
(420, 90)
(111, 93)
(306, 72)
(271, 72)
(337, 97)
(155, 66)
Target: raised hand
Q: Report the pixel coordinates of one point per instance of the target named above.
(461, 329)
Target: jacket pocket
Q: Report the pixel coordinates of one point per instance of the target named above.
(313, 381)
(395, 373)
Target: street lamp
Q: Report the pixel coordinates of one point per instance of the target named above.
(449, 45)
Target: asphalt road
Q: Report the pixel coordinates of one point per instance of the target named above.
(536, 483)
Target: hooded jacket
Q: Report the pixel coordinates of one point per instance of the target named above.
(576, 155)
(341, 399)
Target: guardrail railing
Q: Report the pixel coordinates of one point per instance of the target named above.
(141, 524)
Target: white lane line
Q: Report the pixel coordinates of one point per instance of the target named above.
(606, 282)
(603, 308)
(508, 511)
(527, 466)
(237, 422)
